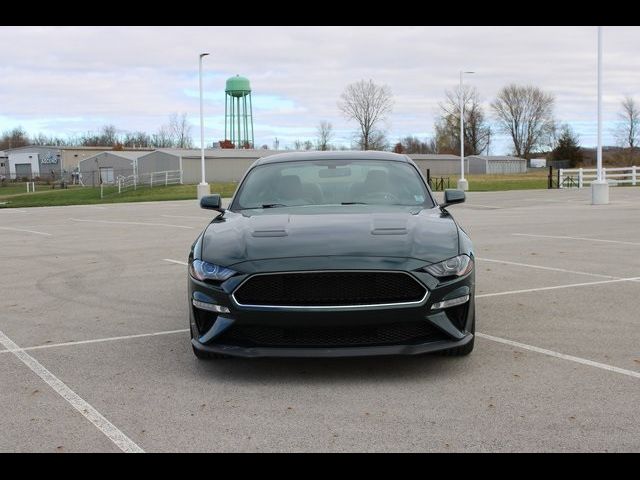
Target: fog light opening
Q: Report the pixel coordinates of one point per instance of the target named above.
(450, 303)
(211, 307)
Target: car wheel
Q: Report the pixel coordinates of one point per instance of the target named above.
(465, 349)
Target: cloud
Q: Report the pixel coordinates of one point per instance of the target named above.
(72, 79)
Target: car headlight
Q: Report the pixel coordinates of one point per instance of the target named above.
(451, 268)
(201, 270)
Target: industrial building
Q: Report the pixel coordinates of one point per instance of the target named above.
(221, 165)
(106, 167)
(496, 165)
(438, 164)
(41, 160)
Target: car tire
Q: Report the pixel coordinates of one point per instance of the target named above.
(465, 349)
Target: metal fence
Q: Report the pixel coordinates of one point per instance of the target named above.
(124, 183)
(580, 177)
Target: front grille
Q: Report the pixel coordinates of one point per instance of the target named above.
(333, 336)
(329, 289)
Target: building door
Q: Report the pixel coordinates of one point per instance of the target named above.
(23, 170)
(106, 174)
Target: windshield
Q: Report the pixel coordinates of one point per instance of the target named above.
(332, 182)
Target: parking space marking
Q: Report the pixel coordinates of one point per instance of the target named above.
(562, 237)
(28, 231)
(563, 356)
(97, 340)
(556, 287)
(481, 206)
(179, 262)
(131, 223)
(15, 210)
(188, 216)
(546, 268)
(112, 432)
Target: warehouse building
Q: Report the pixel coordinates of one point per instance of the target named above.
(33, 161)
(221, 165)
(496, 165)
(41, 160)
(438, 164)
(106, 167)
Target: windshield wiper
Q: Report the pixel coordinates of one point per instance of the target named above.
(353, 203)
(273, 205)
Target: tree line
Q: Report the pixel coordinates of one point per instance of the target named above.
(176, 133)
(524, 113)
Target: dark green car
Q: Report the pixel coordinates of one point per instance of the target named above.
(330, 254)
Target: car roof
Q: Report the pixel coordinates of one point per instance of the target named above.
(334, 155)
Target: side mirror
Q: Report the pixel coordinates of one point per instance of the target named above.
(452, 197)
(212, 202)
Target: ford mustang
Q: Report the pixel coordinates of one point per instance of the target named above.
(329, 254)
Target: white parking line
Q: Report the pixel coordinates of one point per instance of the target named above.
(554, 269)
(97, 340)
(557, 287)
(15, 210)
(27, 231)
(563, 356)
(188, 216)
(131, 223)
(179, 262)
(562, 237)
(481, 206)
(112, 432)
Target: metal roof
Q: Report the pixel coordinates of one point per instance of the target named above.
(128, 155)
(216, 152)
(498, 158)
(333, 155)
(433, 156)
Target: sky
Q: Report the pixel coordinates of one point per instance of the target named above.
(70, 80)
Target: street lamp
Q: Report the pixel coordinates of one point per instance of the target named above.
(203, 186)
(600, 187)
(462, 183)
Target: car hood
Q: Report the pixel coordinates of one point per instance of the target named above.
(426, 235)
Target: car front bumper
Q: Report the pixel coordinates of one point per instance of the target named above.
(451, 327)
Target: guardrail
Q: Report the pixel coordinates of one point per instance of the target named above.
(580, 177)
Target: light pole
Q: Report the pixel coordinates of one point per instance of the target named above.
(462, 182)
(203, 186)
(600, 187)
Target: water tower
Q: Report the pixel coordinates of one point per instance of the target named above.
(238, 116)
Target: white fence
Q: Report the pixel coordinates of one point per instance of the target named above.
(580, 177)
(154, 179)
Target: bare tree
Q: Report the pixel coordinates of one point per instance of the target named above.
(526, 114)
(415, 145)
(628, 128)
(308, 145)
(162, 138)
(325, 134)
(476, 129)
(368, 104)
(180, 130)
(14, 138)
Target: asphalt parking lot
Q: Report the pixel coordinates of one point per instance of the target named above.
(95, 353)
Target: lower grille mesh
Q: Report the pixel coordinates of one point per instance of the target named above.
(333, 336)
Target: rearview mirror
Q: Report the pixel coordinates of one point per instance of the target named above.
(212, 202)
(452, 197)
